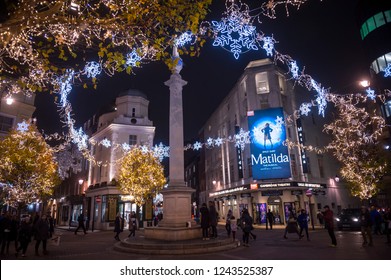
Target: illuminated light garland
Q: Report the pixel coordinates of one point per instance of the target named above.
(184, 38)
(268, 45)
(269, 6)
(197, 146)
(294, 69)
(237, 22)
(242, 138)
(387, 71)
(133, 59)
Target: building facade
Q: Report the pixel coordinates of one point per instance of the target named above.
(286, 178)
(127, 124)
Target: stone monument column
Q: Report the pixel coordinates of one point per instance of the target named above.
(177, 223)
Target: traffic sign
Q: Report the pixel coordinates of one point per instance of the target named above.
(98, 199)
(308, 193)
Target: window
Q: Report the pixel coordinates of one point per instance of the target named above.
(293, 165)
(387, 108)
(321, 166)
(388, 15)
(281, 82)
(262, 83)
(371, 24)
(364, 30)
(381, 63)
(132, 140)
(379, 19)
(133, 112)
(5, 123)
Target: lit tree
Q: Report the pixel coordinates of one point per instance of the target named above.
(355, 144)
(28, 171)
(141, 174)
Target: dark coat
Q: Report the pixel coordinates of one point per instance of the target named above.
(41, 230)
(117, 225)
(212, 215)
(302, 219)
(25, 232)
(204, 217)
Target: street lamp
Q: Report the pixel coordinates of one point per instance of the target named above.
(364, 83)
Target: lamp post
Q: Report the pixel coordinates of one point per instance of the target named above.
(308, 193)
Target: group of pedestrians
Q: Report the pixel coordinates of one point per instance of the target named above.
(209, 218)
(22, 232)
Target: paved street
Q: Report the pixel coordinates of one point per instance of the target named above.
(269, 245)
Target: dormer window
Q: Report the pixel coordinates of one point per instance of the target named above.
(133, 112)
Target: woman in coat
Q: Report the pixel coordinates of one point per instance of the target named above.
(204, 221)
(41, 234)
(24, 236)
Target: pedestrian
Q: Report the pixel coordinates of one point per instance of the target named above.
(328, 217)
(228, 222)
(302, 220)
(320, 218)
(132, 225)
(204, 211)
(366, 226)
(387, 228)
(291, 226)
(213, 219)
(80, 220)
(24, 236)
(376, 220)
(117, 226)
(51, 225)
(5, 233)
(247, 226)
(234, 227)
(270, 218)
(41, 234)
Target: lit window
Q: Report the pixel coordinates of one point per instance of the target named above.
(371, 24)
(388, 15)
(379, 19)
(262, 83)
(5, 124)
(387, 107)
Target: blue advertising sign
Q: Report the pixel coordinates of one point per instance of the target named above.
(269, 157)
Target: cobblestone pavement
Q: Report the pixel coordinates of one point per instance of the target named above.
(269, 245)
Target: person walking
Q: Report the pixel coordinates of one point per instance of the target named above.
(270, 218)
(247, 226)
(320, 218)
(80, 220)
(302, 220)
(5, 233)
(366, 226)
(51, 225)
(234, 227)
(213, 219)
(132, 225)
(291, 226)
(41, 234)
(204, 211)
(24, 236)
(328, 217)
(117, 226)
(376, 220)
(228, 222)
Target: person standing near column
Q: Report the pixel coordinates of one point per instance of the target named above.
(213, 219)
(328, 217)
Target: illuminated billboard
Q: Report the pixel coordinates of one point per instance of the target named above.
(269, 156)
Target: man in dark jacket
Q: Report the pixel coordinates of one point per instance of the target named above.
(81, 223)
(204, 221)
(41, 234)
(366, 226)
(328, 217)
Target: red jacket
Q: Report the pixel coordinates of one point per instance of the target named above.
(328, 216)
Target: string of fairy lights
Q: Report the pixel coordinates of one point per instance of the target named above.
(235, 32)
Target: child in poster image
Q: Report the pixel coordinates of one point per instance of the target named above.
(266, 131)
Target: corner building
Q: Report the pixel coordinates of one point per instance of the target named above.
(267, 174)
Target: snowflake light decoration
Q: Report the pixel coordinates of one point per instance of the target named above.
(23, 127)
(237, 35)
(305, 109)
(242, 138)
(387, 71)
(63, 86)
(161, 151)
(218, 141)
(197, 145)
(92, 69)
(209, 142)
(106, 143)
(132, 59)
(371, 93)
(268, 45)
(320, 98)
(125, 147)
(144, 149)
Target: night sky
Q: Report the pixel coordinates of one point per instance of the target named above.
(322, 36)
